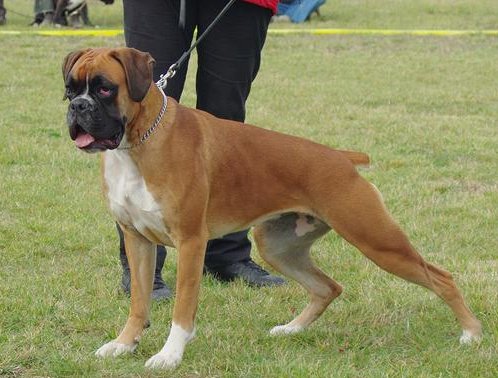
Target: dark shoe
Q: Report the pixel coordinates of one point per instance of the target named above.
(248, 271)
(159, 292)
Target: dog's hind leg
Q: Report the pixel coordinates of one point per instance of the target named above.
(366, 224)
(285, 244)
(141, 258)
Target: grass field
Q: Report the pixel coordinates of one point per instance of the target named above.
(424, 108)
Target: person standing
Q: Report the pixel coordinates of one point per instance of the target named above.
(228, 62)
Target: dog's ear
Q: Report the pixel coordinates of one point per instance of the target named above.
(138, 67)
(69, 62)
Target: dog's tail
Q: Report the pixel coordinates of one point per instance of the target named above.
(357, 158)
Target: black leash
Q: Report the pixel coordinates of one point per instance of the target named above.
(162, 82)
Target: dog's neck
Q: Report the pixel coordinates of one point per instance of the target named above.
(147, 119)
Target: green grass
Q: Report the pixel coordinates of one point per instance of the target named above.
(380, 14)
(426, 111)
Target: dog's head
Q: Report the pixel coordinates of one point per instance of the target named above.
(105, 88)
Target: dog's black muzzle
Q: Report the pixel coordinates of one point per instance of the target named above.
(91, 128)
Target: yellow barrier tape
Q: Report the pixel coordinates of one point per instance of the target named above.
(383, 32)
(373, 32)
(83, 32)
(66, 32)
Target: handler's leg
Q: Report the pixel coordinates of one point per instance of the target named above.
(141, 257)
(152, 26)
(229, 59)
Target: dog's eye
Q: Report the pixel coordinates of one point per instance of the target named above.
(104, 91)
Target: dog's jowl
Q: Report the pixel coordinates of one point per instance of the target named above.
(179, 177)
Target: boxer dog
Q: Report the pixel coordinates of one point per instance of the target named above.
(179, 177)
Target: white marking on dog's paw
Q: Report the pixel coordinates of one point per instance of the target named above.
(114, 349)
(469, 337)
(165, 360)
(285, 329)
(171, 355)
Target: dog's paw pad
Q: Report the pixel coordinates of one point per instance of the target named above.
(285, 330)
(114, 349)
(469, 337)
(164, 360)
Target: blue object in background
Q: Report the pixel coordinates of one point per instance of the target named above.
(298, 10)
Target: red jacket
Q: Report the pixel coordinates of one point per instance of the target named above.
(272, 4)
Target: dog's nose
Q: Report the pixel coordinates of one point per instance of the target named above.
(80, 104)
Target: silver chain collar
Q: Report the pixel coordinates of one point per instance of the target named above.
(154, 126)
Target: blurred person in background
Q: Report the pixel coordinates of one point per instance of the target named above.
(3, 13)
(73, 13)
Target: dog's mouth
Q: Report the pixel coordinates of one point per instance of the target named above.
(87, 142)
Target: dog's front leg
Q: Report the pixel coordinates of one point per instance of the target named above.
(189, 273)
(141, 259)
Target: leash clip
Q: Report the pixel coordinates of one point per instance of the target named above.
(163, 78)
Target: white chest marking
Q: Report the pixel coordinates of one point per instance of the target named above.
(129, 199)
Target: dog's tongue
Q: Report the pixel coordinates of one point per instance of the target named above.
(83, 140)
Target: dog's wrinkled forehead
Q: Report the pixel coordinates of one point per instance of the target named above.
(91, 64)
(124, 67)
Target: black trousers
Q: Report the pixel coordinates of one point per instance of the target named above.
(228, 61)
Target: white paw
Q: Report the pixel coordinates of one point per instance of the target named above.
(114, 349)
(164, 360)
(171, 354)
(469, 337)
(285, 329)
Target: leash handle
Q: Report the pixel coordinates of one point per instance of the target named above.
(163, 78)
